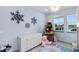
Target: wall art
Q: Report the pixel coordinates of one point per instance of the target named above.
(33, 20)
(27, 25)
(17, 16)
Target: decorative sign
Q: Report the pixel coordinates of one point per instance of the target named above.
(34, 20)
(17, 16)
(27, 25)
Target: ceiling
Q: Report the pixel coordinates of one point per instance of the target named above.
(46, 9)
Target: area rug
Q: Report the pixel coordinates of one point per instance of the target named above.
(55, 48)
(62, 49)
(46, 49)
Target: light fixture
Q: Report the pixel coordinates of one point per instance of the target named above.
(54, 8)
(46, 9)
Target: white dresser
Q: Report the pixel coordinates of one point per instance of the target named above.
(28, 41)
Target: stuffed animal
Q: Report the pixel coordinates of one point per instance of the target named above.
(45, 41)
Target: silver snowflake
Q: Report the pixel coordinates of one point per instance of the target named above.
(17, 16)
(27, 25)
(34, 20)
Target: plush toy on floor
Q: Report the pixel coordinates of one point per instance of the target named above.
(45, 41)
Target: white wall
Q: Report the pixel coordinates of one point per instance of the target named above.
(11, 29)
(69, 37)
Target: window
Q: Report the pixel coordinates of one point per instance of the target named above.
(71, 21)
(59, 24)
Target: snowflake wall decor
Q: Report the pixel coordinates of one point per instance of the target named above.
(34, 20)
(27, 25)
(17, 16)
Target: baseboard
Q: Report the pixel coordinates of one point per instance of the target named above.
(33, 48)
(65, 42)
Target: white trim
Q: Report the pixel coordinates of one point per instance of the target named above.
(54, 23)
(65, 22)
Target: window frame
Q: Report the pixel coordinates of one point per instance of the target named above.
(67, 23)
(54, 23)
(65, 18)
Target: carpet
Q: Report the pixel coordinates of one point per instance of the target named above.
(63, 49)
(55, 48)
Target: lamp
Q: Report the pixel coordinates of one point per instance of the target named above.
(54, 8)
